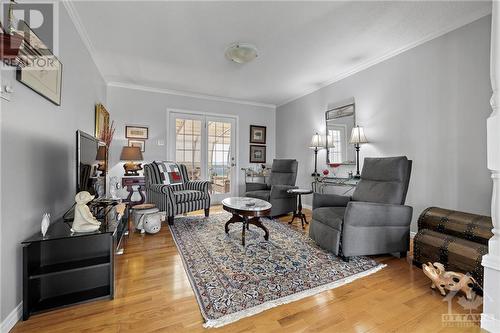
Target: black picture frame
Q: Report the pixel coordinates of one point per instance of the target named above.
(143, 136)
(258, 154)
(258, 134)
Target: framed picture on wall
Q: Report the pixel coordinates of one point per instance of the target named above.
(258, 134)
(101, 119)
(137, 143)
(257, 154)
(136, 132)
(41, 71)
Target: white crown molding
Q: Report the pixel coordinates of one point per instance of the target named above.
(84, 36)
(13, 317)
(367, 64)
(187, 94)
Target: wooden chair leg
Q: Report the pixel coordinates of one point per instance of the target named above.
(171, 220)
(207, 212)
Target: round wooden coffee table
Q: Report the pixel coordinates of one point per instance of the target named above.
(248, 211)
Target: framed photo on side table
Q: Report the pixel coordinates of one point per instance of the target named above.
(257, 154)
(136, 132)
(258, 134)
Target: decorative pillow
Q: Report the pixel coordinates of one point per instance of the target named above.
(170, 173)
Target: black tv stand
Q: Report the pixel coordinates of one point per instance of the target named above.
(65, 268)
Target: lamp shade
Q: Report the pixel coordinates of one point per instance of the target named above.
(131, 154)
(101, 153)
(358, 136)
(316, 142)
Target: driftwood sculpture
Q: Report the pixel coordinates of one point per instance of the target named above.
(451, 281)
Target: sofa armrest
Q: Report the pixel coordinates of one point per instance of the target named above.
(371, 214)
(161, 188)
(198, 185)
(280, 192)
(329, 200)
(255, 187)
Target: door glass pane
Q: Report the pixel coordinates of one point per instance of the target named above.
(219, 156)
(188, 145)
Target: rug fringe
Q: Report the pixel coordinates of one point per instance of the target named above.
(231, 318)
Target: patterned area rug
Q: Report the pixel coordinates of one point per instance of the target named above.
(232, 282)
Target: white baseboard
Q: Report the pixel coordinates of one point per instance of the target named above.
(490, 323)
(307, 206)
(12, 318)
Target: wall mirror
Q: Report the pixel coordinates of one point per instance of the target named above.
(340, 121)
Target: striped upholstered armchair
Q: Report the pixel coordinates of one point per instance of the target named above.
(169, 188)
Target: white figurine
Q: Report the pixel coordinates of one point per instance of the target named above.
(84, 220)
(45, 223)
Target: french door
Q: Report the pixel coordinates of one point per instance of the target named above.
(206, 145)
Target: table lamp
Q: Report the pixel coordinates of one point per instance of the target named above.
(357, 137)
(316, 145)
(131, 154)
(101, 157)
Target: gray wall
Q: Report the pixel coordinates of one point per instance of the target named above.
(38, 153)
(139, 107)
(429, 103)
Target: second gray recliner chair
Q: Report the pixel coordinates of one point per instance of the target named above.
(282, 178)
(374, 220)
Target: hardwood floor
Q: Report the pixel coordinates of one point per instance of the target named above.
(153, 294)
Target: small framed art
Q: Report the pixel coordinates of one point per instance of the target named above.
(101, 119)
(258, 134)
(136, 132)
(137, 143)
(257, 154)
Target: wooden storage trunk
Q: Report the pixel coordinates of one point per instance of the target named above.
(457, 240)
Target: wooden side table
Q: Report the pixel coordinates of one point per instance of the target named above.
(299, 192)
(135, 186)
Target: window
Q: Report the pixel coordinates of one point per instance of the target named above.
(188, 146)
(336, 150)
(219, 155)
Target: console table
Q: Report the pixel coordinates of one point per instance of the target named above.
(65, 268)
(136, 186)
(319, 184)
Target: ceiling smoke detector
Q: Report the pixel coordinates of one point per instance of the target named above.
(241, 52)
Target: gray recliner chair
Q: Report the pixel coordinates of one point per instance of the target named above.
(374, 220)
(282, 178)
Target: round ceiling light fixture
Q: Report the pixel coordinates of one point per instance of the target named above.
(241, 52)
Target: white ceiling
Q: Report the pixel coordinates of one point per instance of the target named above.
(303, 45)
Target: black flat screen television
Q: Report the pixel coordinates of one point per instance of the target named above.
(90, 165)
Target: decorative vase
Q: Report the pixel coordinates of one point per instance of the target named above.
(136, 196)
(114, 187)
(45, 223)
